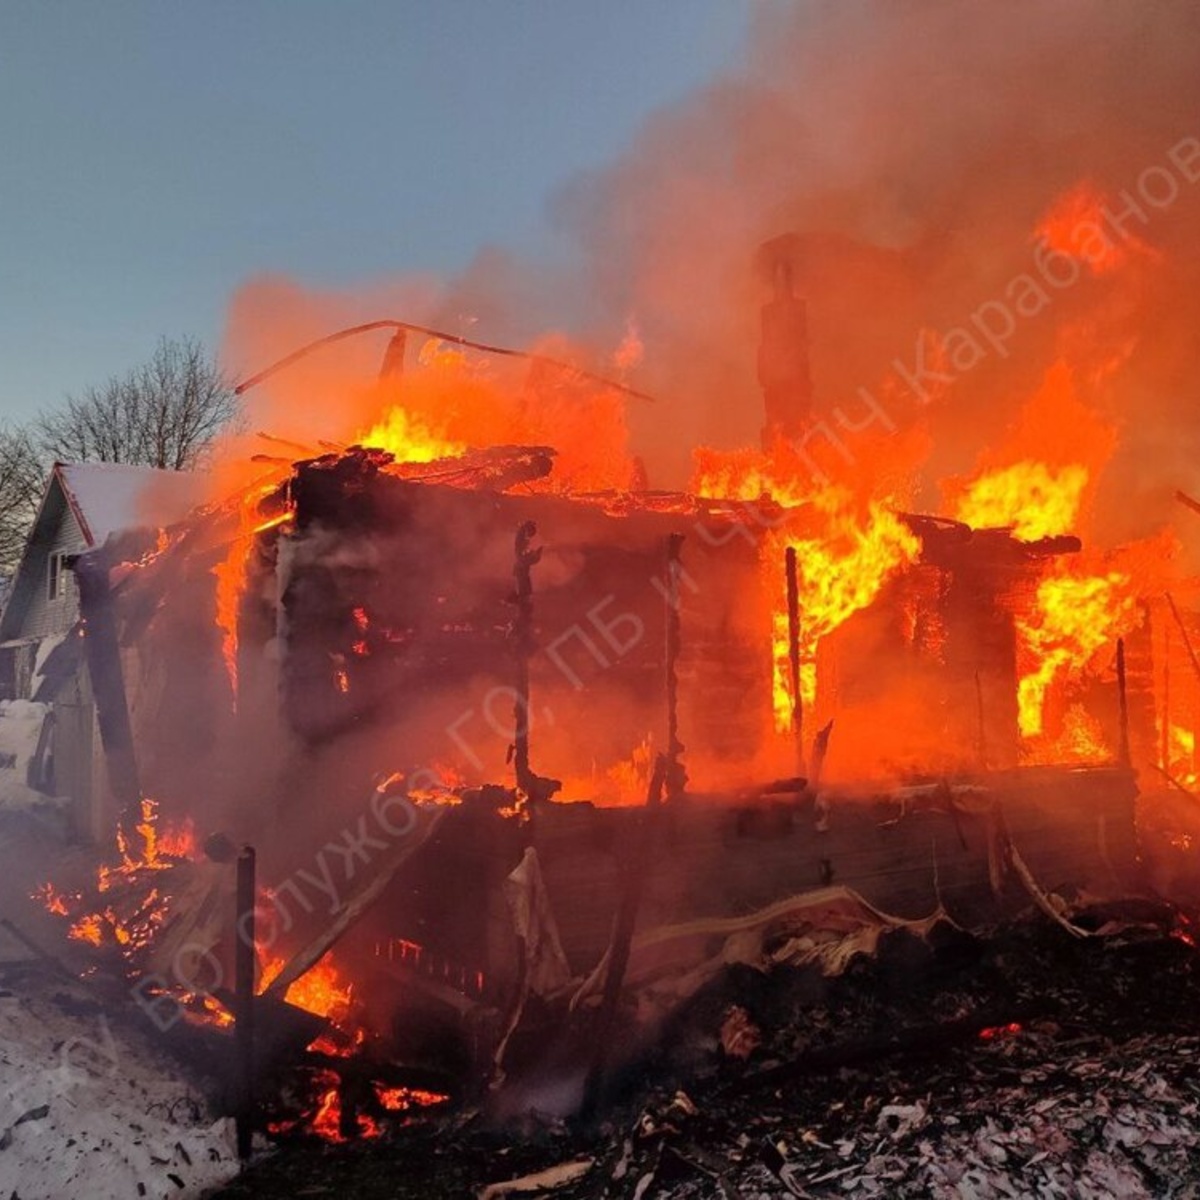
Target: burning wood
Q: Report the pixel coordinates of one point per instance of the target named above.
(374, 619)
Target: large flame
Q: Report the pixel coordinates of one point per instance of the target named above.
(1073, 618)
(408, 438)
(1031, 498)
(840, 569)
(838, 574)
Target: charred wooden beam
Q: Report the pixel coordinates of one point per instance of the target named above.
(244, 964)
(1123, 752)
(1187, 501)
(349, 913)
(982, 747)
(793, 612)
(1187, 641)
(676, 777)
(617, 955)
(524, 644)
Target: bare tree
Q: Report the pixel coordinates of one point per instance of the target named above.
(21, 478)
(163, 414)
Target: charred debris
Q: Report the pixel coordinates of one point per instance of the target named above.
(401, 631)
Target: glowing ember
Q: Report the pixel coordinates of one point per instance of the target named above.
(1185, 930)
(130, 921)
(88, 929)
(401, 1099)
(322, 990)
(327, 1122)
(54, 900)
(995, 1032)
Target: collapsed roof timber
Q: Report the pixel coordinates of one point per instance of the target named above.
(381, 653)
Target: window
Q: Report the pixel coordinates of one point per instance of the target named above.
(57, 577)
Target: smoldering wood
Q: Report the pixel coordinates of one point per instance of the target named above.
(426, 552)
(617, 955)
(1123, 750)
(524, 644)
(437, 585)
(675, 777)
(349, 913)
(909, 851)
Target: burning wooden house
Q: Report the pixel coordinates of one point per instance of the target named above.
(513, 750)
(472, 728)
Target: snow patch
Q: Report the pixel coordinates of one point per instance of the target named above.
(86, 1111)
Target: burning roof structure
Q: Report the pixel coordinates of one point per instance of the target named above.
(513, 741)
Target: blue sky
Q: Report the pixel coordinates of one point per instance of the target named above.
(154, 155)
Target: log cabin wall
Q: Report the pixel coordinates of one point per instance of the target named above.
(396, 615)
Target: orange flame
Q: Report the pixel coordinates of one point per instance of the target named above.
(838, 575)
(1073, 617)
(1031, 498)
(1076, 225)
(322, 990)
(409, 438)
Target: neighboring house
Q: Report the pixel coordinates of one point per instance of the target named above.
(83, 505)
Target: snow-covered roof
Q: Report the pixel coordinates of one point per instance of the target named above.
(101, 499)
(108, 498)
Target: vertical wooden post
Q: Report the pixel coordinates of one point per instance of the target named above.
(982, 746)
(1123, 753)
(523, 647)
(624, 924)
(793, 614)
(676, 776)
(244, 964)
(1164, 751)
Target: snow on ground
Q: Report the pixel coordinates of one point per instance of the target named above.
(89, 1111)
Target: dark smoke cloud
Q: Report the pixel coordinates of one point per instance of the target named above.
(913, 147)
